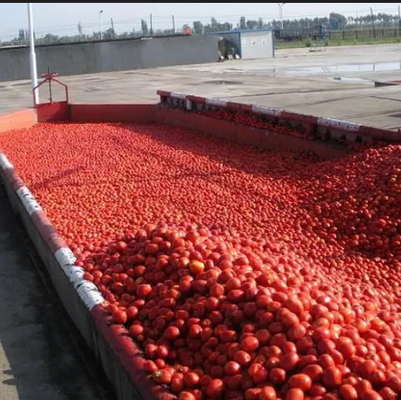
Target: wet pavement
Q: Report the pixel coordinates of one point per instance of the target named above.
(338, 82)
(38, 360)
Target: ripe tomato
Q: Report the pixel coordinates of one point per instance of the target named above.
(162, 376)
(191, 379)
(215, 388)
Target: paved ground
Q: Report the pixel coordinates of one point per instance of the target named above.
(37, 358)
(297, 80)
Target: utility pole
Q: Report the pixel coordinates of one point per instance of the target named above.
(112, 29)
(32, 54)
(280, 8)
(172, 18)
(151, 24)
(373, 22)
(100, 23)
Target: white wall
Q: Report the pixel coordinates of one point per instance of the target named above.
(257, 44)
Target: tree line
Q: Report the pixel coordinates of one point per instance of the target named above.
(334, 21)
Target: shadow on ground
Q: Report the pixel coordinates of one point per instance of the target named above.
(37, 357)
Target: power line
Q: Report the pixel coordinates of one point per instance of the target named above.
(164, 22)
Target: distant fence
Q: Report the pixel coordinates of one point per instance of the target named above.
(346, 34)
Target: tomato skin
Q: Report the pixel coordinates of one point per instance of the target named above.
(171, 333)
(119, 317)
(232, 368)
(267, 393)
(300, 381)
(252, 394)
(186, 396)
(331, 377)
(371, 395)
(177, 384)
(277, 375)
(249, 344)
(162, 376)
(289, 361)
(295, 394)
(314, 371)
(191, 379)
(242, 358)
(348, 392)
(215, 388)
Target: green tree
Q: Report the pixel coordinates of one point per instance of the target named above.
(337, 21)
(198, 27)
(21, 34)
(242, 23)
(80, 30)
(144, 28)
(251, 24)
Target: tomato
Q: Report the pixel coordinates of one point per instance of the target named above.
(387, 393)
(249, 344)
(136, 330)
(331, 377)
(252, 394)
(267, 393)
(242, 358)
(186, 396)
(289, 361)
(348, 392)
(295, 394)
(277, 375)
(300, 381)
(119, 317)
(196, 267)
(371, 395)
(232, 368)
(191, 379)
(144, 290)
(171, 333)
(162, 377)
(215, 388)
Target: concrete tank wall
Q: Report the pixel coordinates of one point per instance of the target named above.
(86, 58)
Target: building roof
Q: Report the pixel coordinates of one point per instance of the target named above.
(241, 31)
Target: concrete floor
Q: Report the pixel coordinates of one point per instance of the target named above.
(296, 80)
(37, 358)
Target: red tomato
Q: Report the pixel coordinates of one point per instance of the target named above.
(215, 388)
(300, 381)
(232, 368)
(186, 396)
(331, 377)
(268, 393)
(348, 392)
(191, 379)
(242, 358)
(119, 317)
(249, 344)
(295, 394)
(162, 377)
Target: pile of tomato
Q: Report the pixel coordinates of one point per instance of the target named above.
(255, 121)
(242, 274)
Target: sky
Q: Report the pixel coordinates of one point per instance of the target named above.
(63, 18)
